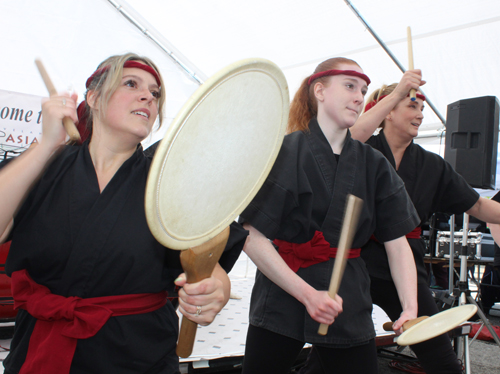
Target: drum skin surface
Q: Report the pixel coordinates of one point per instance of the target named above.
(217, 153)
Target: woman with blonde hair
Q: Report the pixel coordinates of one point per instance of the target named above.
(300, 208)
(432, 185)
(88, 277)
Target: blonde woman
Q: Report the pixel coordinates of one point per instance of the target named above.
(89, 278)
(432, 185)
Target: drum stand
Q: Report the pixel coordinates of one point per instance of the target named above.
(462, 292)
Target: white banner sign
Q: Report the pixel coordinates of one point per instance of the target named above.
(20, 122)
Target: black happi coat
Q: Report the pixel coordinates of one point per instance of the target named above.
(433, 187)
(80, 242)
(306, 191)
(496, 258)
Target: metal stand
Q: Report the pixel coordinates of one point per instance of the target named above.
(462, 292)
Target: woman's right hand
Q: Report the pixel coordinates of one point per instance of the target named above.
(54, 109)
(322, 308)
(412, 79)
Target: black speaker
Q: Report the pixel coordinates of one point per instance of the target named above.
(471, 139)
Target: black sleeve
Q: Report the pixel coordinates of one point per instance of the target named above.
(455, 196)
(496, 197)
(395, 214)
(396, 217)
(268, 208)
(496, 261)
(236, 241)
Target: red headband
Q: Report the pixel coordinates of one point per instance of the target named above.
(371, 104)
(127, 64)
(338, 72)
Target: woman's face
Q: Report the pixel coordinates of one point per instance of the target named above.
(342, 99)
(133, 107)
(406, 117)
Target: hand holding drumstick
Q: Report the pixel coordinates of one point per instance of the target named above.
(68, 122)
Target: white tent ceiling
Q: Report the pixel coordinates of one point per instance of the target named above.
(455, 42)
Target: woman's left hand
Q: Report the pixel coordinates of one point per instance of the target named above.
(200, 302)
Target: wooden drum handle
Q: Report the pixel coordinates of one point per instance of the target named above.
(388, 325)
(349, 225)
(198, 264)
(68, 123)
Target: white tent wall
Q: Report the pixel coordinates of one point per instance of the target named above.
(72, 37)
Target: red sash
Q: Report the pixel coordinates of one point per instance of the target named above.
(312, 252)
(61, 321)
(415, 234)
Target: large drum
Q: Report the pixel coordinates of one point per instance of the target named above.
(428, 328)
(211, 163)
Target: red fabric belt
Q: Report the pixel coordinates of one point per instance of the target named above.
(61, 321)
(415, 234)
(312, 252)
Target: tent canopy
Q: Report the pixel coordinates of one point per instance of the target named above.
(455, 42)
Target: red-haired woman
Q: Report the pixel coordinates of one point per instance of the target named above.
(300, 207)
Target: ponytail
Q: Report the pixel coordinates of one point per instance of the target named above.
(302, 108)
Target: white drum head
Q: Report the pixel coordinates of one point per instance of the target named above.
(436, 325)
(217, 153)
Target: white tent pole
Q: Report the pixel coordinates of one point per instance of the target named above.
(387, 50)
(148, 30)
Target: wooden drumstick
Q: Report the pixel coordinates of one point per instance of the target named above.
(198, 263)
(68, 123)
(388, 325)
(349, 225)
(413, 92)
